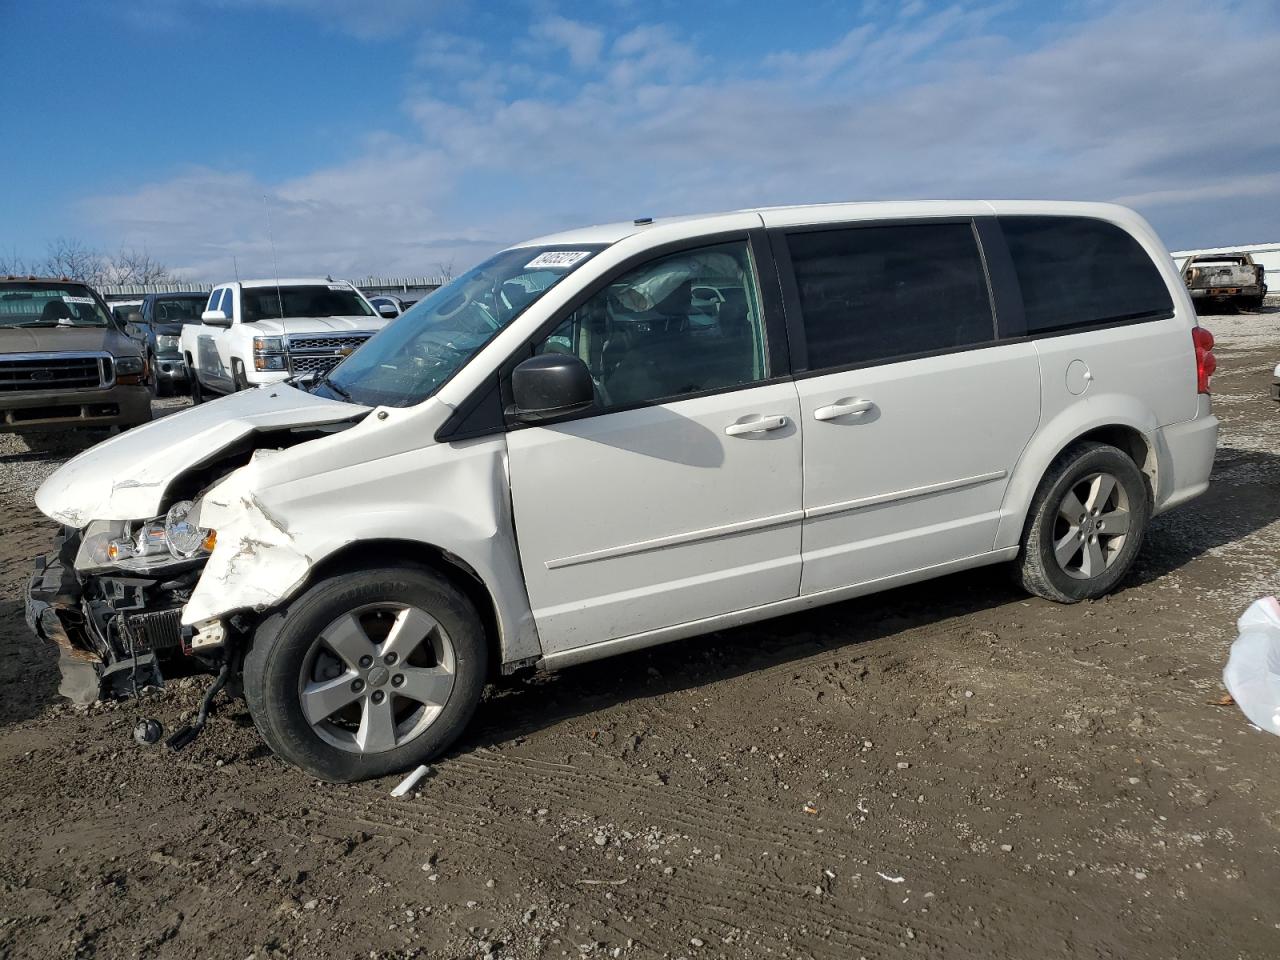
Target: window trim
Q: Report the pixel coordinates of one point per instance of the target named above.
(795, 315)
(479, 415)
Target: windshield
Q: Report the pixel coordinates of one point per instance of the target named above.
(423, 347)
(180, 309)
(313, 300)
(50, 305)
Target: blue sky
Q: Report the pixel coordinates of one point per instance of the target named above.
(391, 136)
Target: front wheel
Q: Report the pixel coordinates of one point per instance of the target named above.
(1086, 524)
(367, 673)
(197, 392)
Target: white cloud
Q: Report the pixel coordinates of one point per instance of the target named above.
(581, 41)
(1130, 104)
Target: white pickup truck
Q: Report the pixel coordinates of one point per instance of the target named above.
(262, 331)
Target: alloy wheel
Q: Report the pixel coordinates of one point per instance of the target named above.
(1091, 526)
(377, 677)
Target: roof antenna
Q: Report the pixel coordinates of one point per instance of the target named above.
(275, 265)
(236, 266)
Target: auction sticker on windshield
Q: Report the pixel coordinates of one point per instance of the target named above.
(557, 258)
(85, 300)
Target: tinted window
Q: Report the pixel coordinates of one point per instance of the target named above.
(1075, 271)
(873, 293)
(214, 297)
(677, 325)
(314, 300)
(228, 302)
(177, 309)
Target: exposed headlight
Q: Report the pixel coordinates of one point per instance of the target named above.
(128, 366)
(168, 342)
(184, 538)
(268, 344)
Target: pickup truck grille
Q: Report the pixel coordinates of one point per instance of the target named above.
(320, 353)
(55, 371)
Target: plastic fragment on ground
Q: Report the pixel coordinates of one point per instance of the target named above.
(1252, 673)
(409, 782)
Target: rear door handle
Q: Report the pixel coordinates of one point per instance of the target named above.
(843, 408)
(757, 425)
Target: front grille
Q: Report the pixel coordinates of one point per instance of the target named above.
(308, 342)
(54, 371)
(161, 630)
(320, 353)
(311, 364)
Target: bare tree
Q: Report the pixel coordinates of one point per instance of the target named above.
(72, 258)
(12, 265)
(444, 270)
(134, 267)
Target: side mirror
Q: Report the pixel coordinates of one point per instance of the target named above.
(551, 385)
(215, 318)
(135, 330)
(388, 310)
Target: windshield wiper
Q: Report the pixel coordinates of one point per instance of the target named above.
(324, 381)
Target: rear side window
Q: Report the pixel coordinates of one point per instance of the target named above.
(871, 294)
(1079, 272)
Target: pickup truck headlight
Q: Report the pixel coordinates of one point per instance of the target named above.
(268, 345)
(128, 366)
(167, 342)
(268, 353)
(183, 536)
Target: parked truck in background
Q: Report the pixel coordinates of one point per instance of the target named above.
(262, 331)
(1226, 278)
(65, 360)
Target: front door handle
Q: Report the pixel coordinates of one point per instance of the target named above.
(756, 425)
(843, 408)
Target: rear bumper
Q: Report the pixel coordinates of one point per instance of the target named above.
(1186, 451)
(118, 406)
(1225, 293)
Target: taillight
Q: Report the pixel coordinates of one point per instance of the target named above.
(1206, 362)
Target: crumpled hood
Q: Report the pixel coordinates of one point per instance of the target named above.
(126, 477)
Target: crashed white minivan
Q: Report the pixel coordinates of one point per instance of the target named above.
(623, 435)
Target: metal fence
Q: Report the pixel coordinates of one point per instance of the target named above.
(370, 285)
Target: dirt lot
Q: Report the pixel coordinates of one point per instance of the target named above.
(947, 770)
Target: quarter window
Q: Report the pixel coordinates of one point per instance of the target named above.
(679, 325)
(871, 294)
(1078, 272)
(228, 302)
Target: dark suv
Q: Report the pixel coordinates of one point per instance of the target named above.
(158, 324)
(64, 360)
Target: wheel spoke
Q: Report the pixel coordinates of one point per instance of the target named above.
(377, 726)
(1067, 548)
(1100, 492)
(346, 638)
(411, 628)
(1092, 562)
(1071, 509)
(429, 685)
(327, 697)
(1114, 523)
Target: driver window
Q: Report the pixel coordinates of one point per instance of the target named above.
(678, 325)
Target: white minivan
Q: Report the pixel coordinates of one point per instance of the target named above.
(623, 435)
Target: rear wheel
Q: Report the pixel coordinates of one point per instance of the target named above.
(1087, 523)
(367, 673)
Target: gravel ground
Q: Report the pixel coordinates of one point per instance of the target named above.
(945, 770)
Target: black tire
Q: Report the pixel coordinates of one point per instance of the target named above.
(1103, 558)
(284, 654)
(238, 379)
(197, 392)
(154, 383)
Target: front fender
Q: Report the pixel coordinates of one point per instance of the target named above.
(451, 499)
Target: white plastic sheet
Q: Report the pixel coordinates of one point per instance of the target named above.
(1252, 673)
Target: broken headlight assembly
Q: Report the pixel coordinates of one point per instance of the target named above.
(169, 542)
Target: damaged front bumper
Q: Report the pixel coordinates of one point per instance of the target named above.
(115, 634)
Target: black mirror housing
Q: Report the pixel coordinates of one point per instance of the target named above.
(551, 385)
